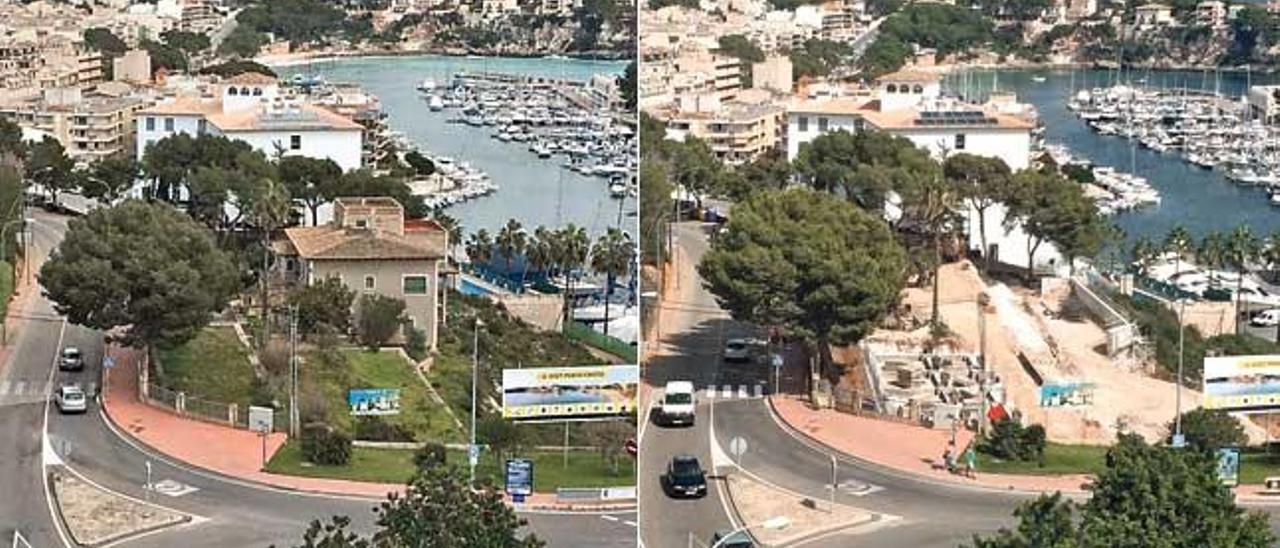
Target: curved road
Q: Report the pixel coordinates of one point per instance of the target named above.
(927, 513)
(226, 512)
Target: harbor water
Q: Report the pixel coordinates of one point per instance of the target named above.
(533, 191)
(1202, 200)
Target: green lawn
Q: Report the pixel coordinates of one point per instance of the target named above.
(1089, 459)
(6, 286)
(213, 366)
(426, 419)
(586, 469)
(1058, 460)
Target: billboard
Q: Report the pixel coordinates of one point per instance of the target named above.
(1229, 466)
(519, 477)
(374, 401)
(569, 393)
(1066, 394)
(1242, 383)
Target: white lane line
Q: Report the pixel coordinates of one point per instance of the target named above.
(629, 522)
(711, 392)
(19, 388)
(759, 390)
(742, 392)
(4, 388)
(726, 391)
(607, 517)
(44, 443)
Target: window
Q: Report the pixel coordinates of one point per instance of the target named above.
(151, 123)
(233, 91)
(295, 142)
(168, 124)
(822, 124)
(370, 283)
(257, 92)
(362, 223)
(202, 126)
(804, 123)
(918, 89)
(959, 141)
(893, 88)
(415, 285)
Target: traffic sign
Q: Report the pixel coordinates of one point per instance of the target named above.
(473, 454)
(108, 362)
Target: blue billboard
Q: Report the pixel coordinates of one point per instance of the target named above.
(374, 401)
(519, 477)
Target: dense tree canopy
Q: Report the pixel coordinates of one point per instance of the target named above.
(824, 269)
(49, 167)
(141, 266)
(1148, 496)
(1209, 430)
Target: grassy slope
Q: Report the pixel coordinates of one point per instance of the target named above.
(213, 366)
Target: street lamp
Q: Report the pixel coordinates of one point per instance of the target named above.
(1177, 398)
(771, 524)
(472, 453)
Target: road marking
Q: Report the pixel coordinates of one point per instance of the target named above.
(711, 392)
(44, 443)
(629, 522)
(172, 488)
(742, 391)
(607, 517)
(759, 390)
(19, 388)
(726, 391)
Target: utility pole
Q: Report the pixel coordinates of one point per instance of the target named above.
(293, 371)
(1177, 398)
(472, 451)
(983, 299)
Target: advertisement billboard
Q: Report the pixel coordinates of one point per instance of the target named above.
(569, 393)
(1229, 466)
(1066, 394)
(1242, 383)
(374, 401)
(519, 477)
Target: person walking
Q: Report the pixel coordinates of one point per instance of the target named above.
(970, 462)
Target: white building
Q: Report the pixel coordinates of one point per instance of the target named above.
(250, 108)
(910, 105)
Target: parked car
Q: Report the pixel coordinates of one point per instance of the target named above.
(677, 406)
(71, 359)
(71, 399)
(732, 539)
(685, 477)
(1266, 318)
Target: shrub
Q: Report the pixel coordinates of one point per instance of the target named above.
(260, 393)
(416, 343)
(430, 455)
(322, 444)
(323, 305)
(379, 317)
(1009, 440)
(373, 428)
(275, 358)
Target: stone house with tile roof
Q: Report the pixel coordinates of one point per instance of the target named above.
(373, 249)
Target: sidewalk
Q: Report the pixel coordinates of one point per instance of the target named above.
(904, 447)
(913, 449)
(237, 453)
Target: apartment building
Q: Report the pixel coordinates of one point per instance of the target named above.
(90, 126)
(736, 132)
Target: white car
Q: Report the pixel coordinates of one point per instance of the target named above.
(677, 406)
(1266, 318)
(71, 399)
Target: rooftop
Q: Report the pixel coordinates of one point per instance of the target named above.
(943, 114)
(251, 78)
(336, 243)
(910, 76)
(299, 118)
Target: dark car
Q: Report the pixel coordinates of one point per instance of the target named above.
(71, 359)
(685, 477)
(732, 539)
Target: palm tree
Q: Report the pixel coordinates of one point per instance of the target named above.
(1271, 254)
(1144, 253)
(1242, 248)
(451, 226)
(538, 252)
(511, 242)
(1211, 253)
(479, 247)
(612, 256)
(572, 254)
(1178, 242)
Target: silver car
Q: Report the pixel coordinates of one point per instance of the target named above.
(71, 399)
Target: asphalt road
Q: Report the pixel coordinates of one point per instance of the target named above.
(226, 512)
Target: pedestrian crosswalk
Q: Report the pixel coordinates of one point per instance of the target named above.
(732, 391)
(21, 391)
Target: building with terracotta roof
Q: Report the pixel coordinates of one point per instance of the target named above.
(910, 104)
(373, 249)
(250, 107)
(89, 126)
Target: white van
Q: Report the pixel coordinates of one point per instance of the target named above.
(677, 406)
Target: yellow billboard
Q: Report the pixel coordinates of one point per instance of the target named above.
(1242, 383)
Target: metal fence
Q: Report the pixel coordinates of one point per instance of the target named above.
(617, 347)
(181, 403)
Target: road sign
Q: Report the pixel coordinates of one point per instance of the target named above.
(1229, 466)
(473, 454)
(775, 360)
(108, 362)
(261, 419)
(519, 477)
(1179, 440)
(737, 447)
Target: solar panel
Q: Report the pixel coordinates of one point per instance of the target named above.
(955, 118)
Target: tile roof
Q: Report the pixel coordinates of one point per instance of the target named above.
(334, 243)
(306, 118)
(910, 76)
(251, 78)
(903, 118)
(185, 105)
